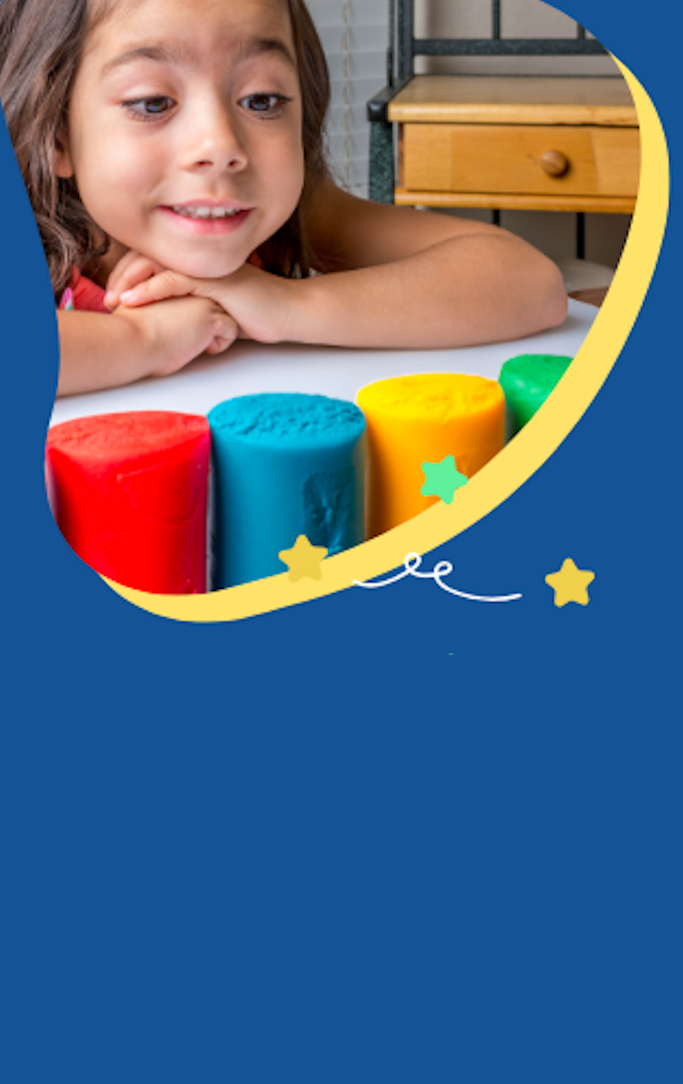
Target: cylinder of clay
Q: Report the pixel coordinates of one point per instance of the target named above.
(285, 465)
(527, 381)
(424, 418)
(130, 496)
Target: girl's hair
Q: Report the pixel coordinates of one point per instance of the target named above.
(41, 44)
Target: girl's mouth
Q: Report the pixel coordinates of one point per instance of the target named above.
(205, 218)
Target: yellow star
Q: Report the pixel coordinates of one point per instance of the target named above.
(570, 584)
(304, 560)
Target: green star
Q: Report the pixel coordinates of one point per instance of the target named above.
(442, 479)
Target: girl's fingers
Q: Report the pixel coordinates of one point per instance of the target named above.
(158, 288)
(129, 273)
(128, 279)
(121, 267)
(225, 334)
(122, 264)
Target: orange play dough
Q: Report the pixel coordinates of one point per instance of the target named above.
(413, 419)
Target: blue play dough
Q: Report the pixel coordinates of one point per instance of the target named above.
(284, 465)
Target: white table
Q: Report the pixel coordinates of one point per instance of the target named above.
(247, 368)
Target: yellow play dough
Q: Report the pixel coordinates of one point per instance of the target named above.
(423, 418)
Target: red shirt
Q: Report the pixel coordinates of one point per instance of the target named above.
(83, 293)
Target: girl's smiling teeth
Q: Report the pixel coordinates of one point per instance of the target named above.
(206, 219)
(205, 212)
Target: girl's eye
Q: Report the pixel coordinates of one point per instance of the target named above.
(268, 105)
(148, 108)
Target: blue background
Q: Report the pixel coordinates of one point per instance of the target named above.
(388, 836)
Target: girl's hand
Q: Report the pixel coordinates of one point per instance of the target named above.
(131, 270)
(184, 331)
(259, 302)
(176, 331)
(134, 343)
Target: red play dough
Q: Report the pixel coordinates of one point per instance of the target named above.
(129, 493)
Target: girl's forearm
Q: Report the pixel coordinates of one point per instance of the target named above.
(459, 292)
(99, 351)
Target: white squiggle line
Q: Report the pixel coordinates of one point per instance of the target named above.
(443, 568)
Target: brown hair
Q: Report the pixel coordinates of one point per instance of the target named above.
(41, 44)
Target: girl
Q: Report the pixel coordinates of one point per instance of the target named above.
(173, 155)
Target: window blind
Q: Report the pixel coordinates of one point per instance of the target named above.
(355, 35)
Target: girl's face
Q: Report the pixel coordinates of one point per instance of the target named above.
(184, 132)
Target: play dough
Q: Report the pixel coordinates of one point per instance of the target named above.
(285, 465)
(129, 493)
(413, 419)
(527, 381)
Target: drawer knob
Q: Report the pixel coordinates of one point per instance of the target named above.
(554, 163)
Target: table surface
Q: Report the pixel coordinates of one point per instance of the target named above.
(249, 367)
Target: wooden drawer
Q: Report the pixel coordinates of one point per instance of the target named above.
(470, 158)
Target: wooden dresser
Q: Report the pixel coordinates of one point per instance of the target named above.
(523, 143)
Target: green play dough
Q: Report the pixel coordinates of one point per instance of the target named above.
(527, 381)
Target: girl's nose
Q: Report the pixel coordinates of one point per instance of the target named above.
(214, 141)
